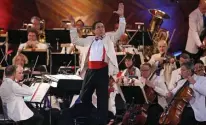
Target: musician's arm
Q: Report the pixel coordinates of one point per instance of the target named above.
(193, 30)
(172, 82)
(21, 90)
(161, 88)
(200, 86)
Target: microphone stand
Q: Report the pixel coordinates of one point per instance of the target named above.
(4, 55)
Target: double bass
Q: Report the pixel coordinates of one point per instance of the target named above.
(172, 114)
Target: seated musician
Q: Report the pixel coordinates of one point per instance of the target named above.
(176, 73)
(32, 42)
(36, 23)
(199, 68)
(130, 72)
(12, 95)
(157, 105)
(20, 59)
(158, 60)
(195, 111)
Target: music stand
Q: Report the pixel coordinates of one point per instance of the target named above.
(63, 60)
(17, 36)
(140, 38)
(133, 94)
(32, 55)
(56, 37)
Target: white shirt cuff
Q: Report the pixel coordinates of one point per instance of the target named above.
(122, 20)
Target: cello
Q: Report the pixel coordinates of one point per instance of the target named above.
(172, 114)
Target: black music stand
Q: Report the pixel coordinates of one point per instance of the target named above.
(133, 95)
(56, 37)
(32, 55)
(17, 36)
(140, 38)
(66, 88)
(63, 60)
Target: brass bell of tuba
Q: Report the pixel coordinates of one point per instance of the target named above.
(158, 33)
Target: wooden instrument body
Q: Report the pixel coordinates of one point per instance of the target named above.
(172, 116)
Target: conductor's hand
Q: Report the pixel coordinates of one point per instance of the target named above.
(120, 10)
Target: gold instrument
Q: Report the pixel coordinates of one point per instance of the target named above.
(157, 33)
(42, 36)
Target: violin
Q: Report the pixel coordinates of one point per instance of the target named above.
(172, 115)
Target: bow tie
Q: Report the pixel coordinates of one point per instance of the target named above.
(99, 38)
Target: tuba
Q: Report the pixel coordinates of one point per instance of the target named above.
(42, 36)
(156, 32)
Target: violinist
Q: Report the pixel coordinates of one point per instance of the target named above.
(32, 42)
(12, 97)
(130, 72)
(199, 68)
(176, 76)
(195, 111)
(168, 65)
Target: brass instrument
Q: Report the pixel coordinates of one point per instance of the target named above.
(156, 32)
(42, 36)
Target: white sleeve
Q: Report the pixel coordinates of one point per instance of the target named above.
(21, 90)
(193, 29)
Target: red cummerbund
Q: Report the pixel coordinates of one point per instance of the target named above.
(96, 64)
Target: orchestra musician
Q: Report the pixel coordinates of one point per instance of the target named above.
(197, 24)
(157, 84)
(100, 63)
(36, 23)
(130, 72)
(12, 94)
(32, 42)
(195, 111)
(199, 68)
(159, 60)
(176, 76)
(20, 59)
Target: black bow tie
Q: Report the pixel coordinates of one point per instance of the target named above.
(99, 38)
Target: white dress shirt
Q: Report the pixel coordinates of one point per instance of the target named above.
(96, 51)
(39, 46)
(198, 101)
(12, 97)
(176, 76)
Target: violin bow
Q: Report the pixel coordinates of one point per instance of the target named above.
(170, 41)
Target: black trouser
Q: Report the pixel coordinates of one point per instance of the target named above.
(195, 57)
(188, 117)
(36, 119)
(153, 114)
(96, 79)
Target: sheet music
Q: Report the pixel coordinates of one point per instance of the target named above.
(57, 77)
(39, 92)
